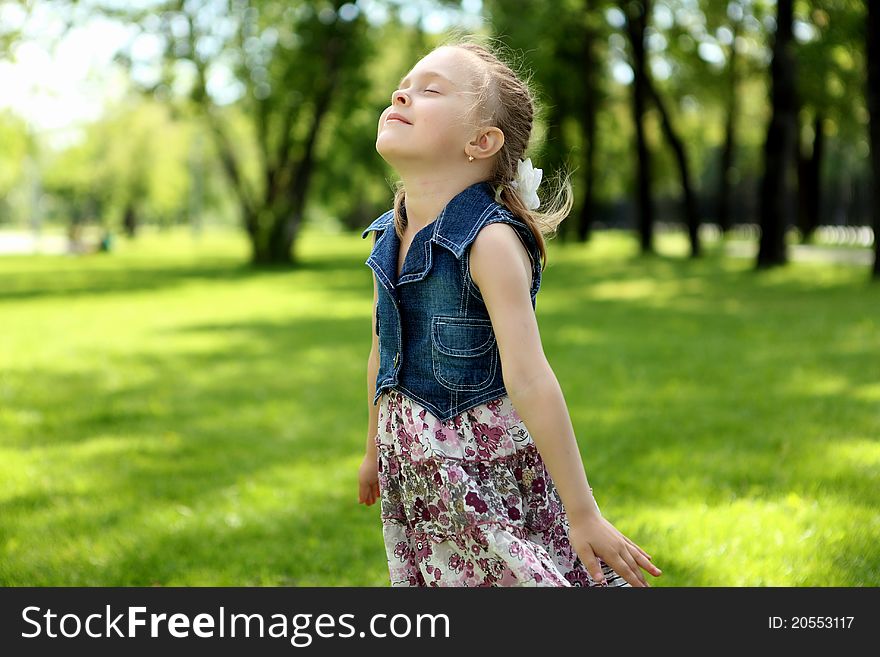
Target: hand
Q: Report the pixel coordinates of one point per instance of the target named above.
(594, 536)
(368, 480)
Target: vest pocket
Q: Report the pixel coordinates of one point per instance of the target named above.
(463, 352)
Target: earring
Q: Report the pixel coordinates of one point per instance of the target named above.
(470, 158)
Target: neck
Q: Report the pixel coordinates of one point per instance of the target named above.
(427, 195)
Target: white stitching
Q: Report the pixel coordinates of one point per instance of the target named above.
(463, 387)
(468, 321)
(474, 401)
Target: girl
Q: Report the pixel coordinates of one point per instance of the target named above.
(470, 447)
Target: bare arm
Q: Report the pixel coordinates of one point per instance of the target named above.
(368, 472)
(372, 372)
(497, 270)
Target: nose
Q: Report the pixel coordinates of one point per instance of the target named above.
(399, 96)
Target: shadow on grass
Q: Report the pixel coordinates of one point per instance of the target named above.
(118, 277)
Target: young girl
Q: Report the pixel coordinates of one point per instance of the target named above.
(470, 447)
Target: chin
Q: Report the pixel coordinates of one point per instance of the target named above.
(391, 154)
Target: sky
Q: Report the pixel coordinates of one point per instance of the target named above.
(53, 91)
(57, 90)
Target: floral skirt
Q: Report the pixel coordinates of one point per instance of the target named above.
(468, 501)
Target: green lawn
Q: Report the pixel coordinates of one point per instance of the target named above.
(169, 417)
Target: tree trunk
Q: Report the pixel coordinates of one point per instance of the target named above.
(588, 123)
(725, 182)
(873, 96)
(636, 22)
(689, 201)
(777, 202)
(285, 213)
(809, 184)
(129, 221)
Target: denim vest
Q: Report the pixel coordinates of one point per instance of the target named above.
(436, 342)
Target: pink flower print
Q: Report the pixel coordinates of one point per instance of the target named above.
(513, 513)
(402, 551)
(423, 548)
(405, 438)
(494, 404)
(544, 518)
(417, 451)
(454, 475)
(516, 550)
(577, 577)
(538, 485)
(474, 500)
(456, 563)
(420, 510)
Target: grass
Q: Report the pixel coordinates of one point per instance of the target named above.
(170, 417)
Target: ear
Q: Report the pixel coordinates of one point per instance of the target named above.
(486, 143)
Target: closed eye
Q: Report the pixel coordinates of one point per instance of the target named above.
(433, 91)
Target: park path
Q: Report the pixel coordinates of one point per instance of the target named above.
(807, 253)
(14, 242)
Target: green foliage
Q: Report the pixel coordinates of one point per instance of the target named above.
(18, 166)
(137, 154)
(162, 153)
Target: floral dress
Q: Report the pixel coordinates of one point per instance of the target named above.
(468, 501)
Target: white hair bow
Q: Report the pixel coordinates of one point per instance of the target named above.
(526, 183)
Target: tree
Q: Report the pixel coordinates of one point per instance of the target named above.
(735, 13)
(637, 13)
(777, 184)
(829, 85)
(872, 32)
(290, 64)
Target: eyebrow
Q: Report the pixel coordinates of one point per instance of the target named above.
(429, 74)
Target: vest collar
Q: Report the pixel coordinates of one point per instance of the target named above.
(457, 223)
(454, 229)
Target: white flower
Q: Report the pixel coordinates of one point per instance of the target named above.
(528, 178)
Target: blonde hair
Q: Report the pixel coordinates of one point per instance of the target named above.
(503, 99)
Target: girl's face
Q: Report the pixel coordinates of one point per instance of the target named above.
(434, 100)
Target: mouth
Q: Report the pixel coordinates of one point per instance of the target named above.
(396, 118)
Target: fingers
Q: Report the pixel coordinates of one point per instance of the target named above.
(591, 563)
(631, 572)
(368, 493)
(648, 556)
(647, 565)
(643, 559)
(365, 495)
